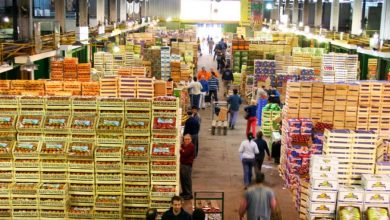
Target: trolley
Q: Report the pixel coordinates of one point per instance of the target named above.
(219, 118)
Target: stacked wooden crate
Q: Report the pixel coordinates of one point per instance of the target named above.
(73, 87)
(139, 71)
(70, 69)
(340, 106)
(145, 87)
(56, 70)
(329, 103)
(305, 99)
(109, 87)
(90, 88)
(84, 72)
(185, 72)
(125, 71)
(160, 88)
(291, 109)
(385, 109)
(372, 68)
(109, 64)
(53, 87)
(351, 109)
(136, 181)
(98, 64)
(175, 70)
(127, 86)
(317, 100)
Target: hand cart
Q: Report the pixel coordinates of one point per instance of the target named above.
(212, 204)
(219, 124)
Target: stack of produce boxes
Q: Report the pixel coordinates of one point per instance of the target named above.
(164, 152)
(84, 72)
(24, 200)
(317, 100)
(165, 63)
(90, 88)
(53, 198)
(145, 88)
(376, 196)
(270, 113)
(98, 62)
(56, 70)
(136, 182)
(70, 69)
(350, 201)
(324, 186)
(127, 86)
(265, 69)
(109, 87)
(351, 109)
(291, 109)
(305, 100)
(81, 166)
(108, 158)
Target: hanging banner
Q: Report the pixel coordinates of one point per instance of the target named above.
(256, 12)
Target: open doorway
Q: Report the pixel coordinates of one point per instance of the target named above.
(203, 31)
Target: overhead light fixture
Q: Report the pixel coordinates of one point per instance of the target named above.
(6, 19)
(169, 19)
(29, 66)
(300, 24)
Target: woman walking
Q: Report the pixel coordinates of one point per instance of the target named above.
(262, 146)
(251, 117)
(248, 149)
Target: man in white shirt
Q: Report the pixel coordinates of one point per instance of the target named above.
(196, 88)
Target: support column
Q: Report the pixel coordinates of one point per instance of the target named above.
(287, 10)
(123, 12)
(385, 21)
(60, 16)
(100, 11)
(25, 19)
(318, 16)
(83, 11)
(334, 15)
(306, 10)
(356, 17)
(113, 11)
(295, 14)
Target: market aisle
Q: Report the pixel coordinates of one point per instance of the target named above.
(218, 167)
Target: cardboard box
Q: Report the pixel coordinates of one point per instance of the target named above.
(381, 197)
(323, 196)
(375, 182)
(322, 208)
(351, 194)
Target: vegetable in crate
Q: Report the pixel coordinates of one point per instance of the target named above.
(349, 213)
(377, 213)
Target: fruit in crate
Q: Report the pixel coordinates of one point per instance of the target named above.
(164, 163)
(80, 210)
(158, 188)
(53, 186)
(110, 123)
(164, 123)
(5, 147)
(377, 213)
(165, 98)
(80, 149)
(136, 150)
(163, 149)
(26, 147)
(56, 122)
(53, 147)
(134, 124)
(29, 121)
(349, 213)
(6, 121)
(108, 150)
(83, 123)
(108, 199)
(24, 186)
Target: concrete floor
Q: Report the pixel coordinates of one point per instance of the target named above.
(218, 167)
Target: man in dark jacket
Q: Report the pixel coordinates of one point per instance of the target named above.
(227, 78)
(234, 107)
(176, 212)
(192, 127)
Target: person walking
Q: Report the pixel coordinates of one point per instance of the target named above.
(199, 47)
(192, 127)
(196, 88)
(217, 49)
(176, 212)
(251, 117)
(187, 155)
(211, 45)
(203, 73)
(203, 92)
(258, 201)
(227, 79)
(213, 86)
(234, 102)
(276, 146)
(263, 147)
(248, 149)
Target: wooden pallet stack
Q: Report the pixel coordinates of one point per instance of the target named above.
(363, 155)
(138, 71)
(385, 109)
(364, 106)
(56, 70)
(327, 71)
(118, 62)
(352, 67)
(53, 87)
(127, 86)
(185, 72)
(125, 71)
(145, 87)
(109, 64)
(136, 182)
(84, 72)
(338, 143)
(70, 69)
(53, 200)
(98, 63)
(109, 87)
(340, 106)
(24, 200)
(175, 70)
(305, 99)
(372, 68)
(164, 152)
